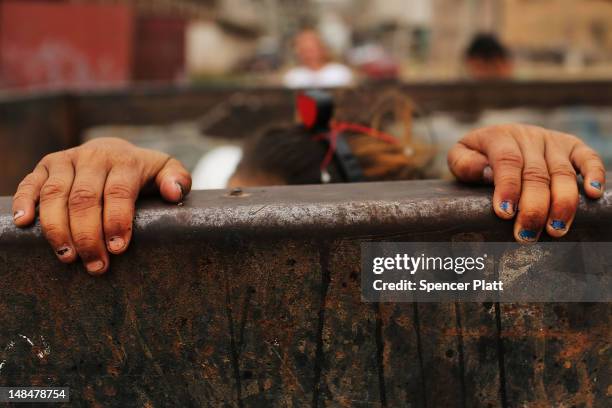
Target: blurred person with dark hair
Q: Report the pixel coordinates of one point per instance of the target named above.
(291, 155)
(487, 58)
(315, 69)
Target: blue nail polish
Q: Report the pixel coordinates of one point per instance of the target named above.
(528, 235)
(506, 206)
(596, 184)
(557, 224)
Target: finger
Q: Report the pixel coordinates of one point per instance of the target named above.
(563, 188)
(85, 210)
(535, 195)
(588, 162)
(468, 165)
(27, 195)
(506, 160)
(54, 208)
(120, 193)
(173, 181)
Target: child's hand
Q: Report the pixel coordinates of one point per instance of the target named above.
(86, 197)
(534, 172)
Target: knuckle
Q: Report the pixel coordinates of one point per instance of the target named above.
(458, 164)
(571, 139)
(489, 131)
(89, 155)
(509, 158)
(562, 170)
(54, 232)
(117, 220)
(49, 157)
(508, 182)
(27, 183)
(130, 161)
(53, 189)
(119, 191)
(534, 215)
(591, 155)
(536, 174)
(21, 195)
(595, 161)
(524, 130)
(595, 165)
(85, 242)
(61, 155)
(87, 150)
(83, 198)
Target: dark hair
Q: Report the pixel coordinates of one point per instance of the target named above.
(290, 153)
(486, 47)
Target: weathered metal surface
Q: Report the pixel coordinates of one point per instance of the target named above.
(263, 106)
(253, 300)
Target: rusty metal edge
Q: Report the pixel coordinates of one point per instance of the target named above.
(336, 210)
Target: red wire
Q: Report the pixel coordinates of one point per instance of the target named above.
(354, 127)
(338, 127)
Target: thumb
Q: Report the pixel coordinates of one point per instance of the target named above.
(173, 181)
(469, 165)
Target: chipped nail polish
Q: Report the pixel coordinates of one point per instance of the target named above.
(94, 266)
(116, 244)
(528, 235)
(18, 214)
(64, 251)
(596, 184)
(506, 206)
(557, 225)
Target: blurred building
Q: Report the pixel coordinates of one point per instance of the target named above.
(89, 43)
(85, 44)
(548, 37)
(575, 34)
(49, 43)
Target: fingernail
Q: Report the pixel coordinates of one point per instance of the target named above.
(180, 189)
(487, 175)
(558, 225)
(596, 184)
(528, 235)
(116, 244)
(64, 251)
(506, 206)
(94, 266)
(18, 214)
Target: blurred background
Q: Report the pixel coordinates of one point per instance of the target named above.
(101, 43)
(190, 76)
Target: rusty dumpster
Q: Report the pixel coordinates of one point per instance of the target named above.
(252, 300)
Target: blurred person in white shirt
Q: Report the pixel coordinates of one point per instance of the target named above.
(316, 70)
